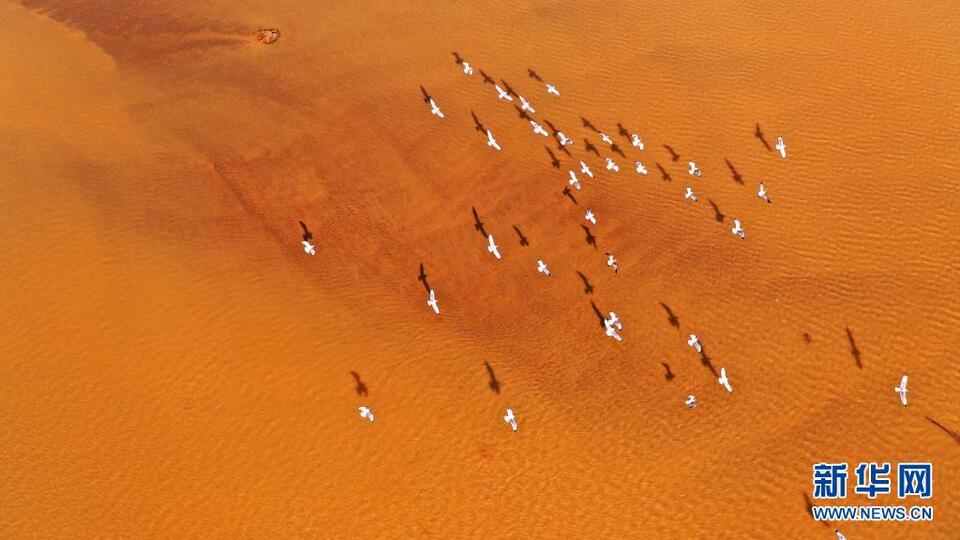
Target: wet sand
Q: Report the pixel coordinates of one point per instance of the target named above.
(174, 366)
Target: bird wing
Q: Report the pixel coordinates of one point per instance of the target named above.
(903, 382)
(490, 136)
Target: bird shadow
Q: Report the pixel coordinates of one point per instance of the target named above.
(854, 350)
(550, 125)
(422, 278)
(523, 239)
(553, 158)
(563, 149)
(674, 156)
(669, 376)
(953, 434)
(522, 113)
(508, 88)
(486, 78)
(623, 131)
(589, 125)
(733, 171)
(591, 239)
(598, 313)
(671, 316)
(477, 224)
(663, 172)
(807, 338)
(360, 388)
(809, 506)
(615, 148)
(426, 95)
(758, 133)
(494, 383)
(717, 214)
(707, 362)
(587, 286)
(456, 57)
(533, 75)
(590, 147)
(477, 124)
(307, 235)
(569, 194)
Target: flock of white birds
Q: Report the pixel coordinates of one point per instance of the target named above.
(612, 324)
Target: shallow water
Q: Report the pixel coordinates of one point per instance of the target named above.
(174, 365)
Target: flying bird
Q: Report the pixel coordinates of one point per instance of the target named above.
(641, 169)
(606, 138)
(435, 109)
(902, 390)
(691, 401)
(538, 129)
(737, 229)
(492, 248)
(467, 69)
(502, 94)
(526, 105)
(689, 194)
(491, 142)
(584, 169)
(308, 248)
(564, 140)
(781, 147)
(573, 180)
(612, 263)
(723, 380)
(511, 419)
(432, 302)
(591, 217)
(762, 193)
(635, 141)
(694, 342)
(614, 321)
(551, 89)
(366, 413)
(542, 267)
(693, 169)
(611, 331)
(612, 165)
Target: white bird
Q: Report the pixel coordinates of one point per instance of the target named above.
(840, 535)
(606, 138)
(691, 401)
(511, 419)
(611, 331)
(723, 380)
(689, 194)
(526, 105)
(432, 302)
(902, 390)
(635, 141)
(693, 169)
(502, 94)
(615, 321)
(612, 165)
(308, 248)
(492, 248)
(435, 109)
(591, 217)
(542, 267)
(781, 147)
(467, 69)
(366, 413)
(573, 180)
(694, 342)
(762, 193)
(584, 169)
(551, 89)
(491, 141)
(737, 229)
(641, 169)
(612, 263)
(564, 140)
(537, 128)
